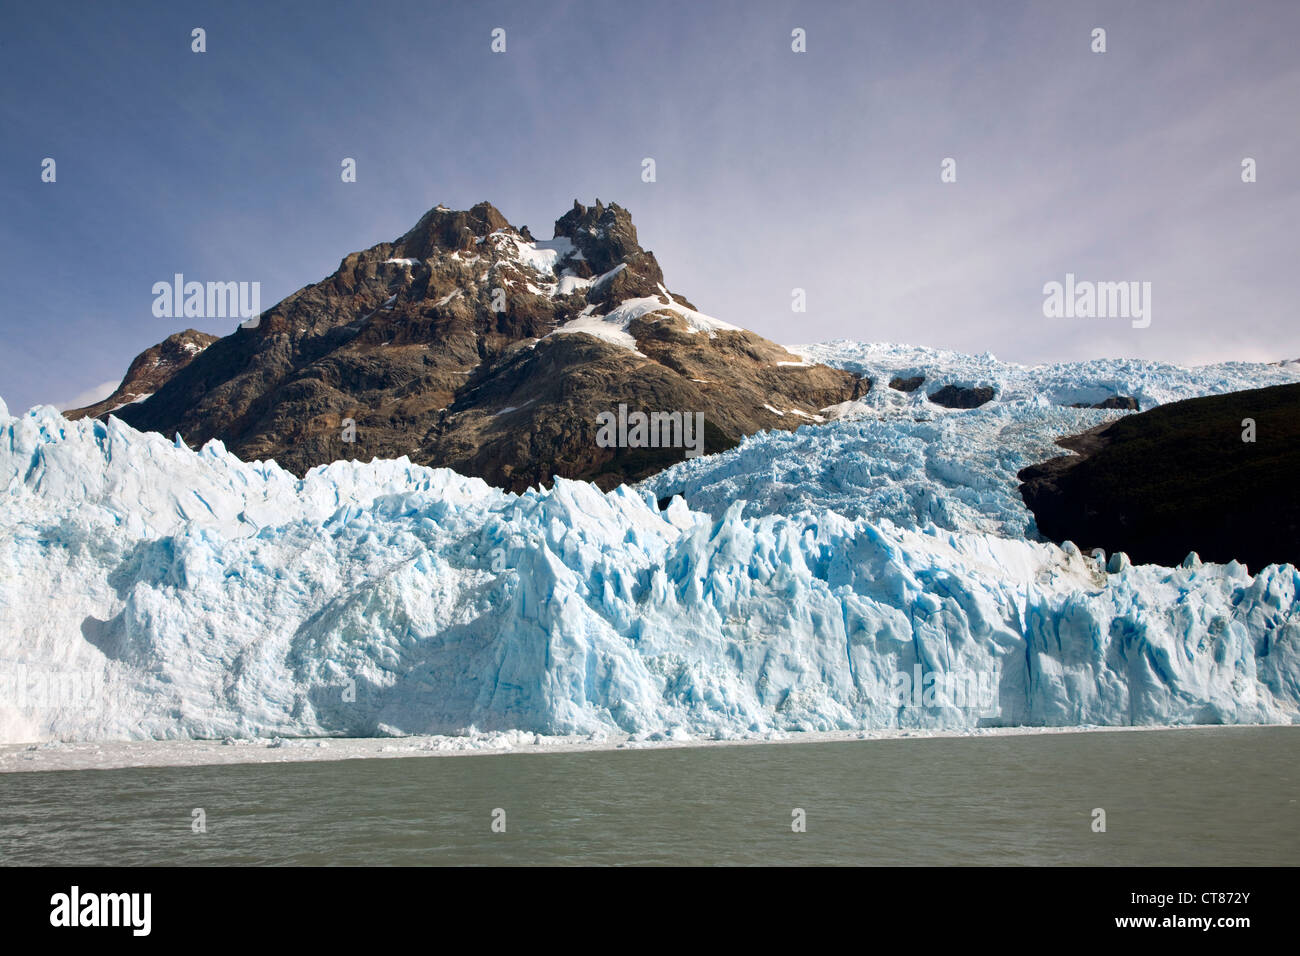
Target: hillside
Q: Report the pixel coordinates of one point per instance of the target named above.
(1179, 478)
(465, 343)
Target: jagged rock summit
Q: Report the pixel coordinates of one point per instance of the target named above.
(468, 344)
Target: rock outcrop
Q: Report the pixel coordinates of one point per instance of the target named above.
(1181, 478)
(149, 371)
(957, 396)
(465, 343)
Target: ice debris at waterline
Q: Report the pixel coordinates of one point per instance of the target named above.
(148, 590)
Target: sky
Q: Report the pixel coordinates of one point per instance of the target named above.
(775, 170)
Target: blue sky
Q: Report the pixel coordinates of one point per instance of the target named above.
(775, 170)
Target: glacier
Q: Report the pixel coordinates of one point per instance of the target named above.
(914, 466)
(1060, 383)
(852, 575)
(896, 455)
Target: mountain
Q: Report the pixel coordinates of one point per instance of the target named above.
(149, 371)
(466, 343)
(1181, 478)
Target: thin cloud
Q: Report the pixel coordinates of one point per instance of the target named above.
(90, 396)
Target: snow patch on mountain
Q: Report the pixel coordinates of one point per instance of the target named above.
(568, 283)
(613, 325)
(610, 329)
(541, 256)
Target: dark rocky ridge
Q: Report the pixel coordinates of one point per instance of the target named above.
(910, 384)
(416, 355)
(957, 396)
(1179, 478)
(149, 371)
(1123, 402)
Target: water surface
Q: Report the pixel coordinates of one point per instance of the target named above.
(1221, 796)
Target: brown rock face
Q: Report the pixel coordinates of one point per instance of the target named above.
(907, 384)
(1179, 478)
(149, 371)
(447, 346)
(1125, 402)
(956, 396)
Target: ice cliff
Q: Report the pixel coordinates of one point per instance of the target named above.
(149, 590)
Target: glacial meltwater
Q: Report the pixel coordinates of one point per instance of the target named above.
(1218, 796)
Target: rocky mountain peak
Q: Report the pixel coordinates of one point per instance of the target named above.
(468, 344)
(606, 240)
(603, 234)
(149, 371)
(442, 229)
